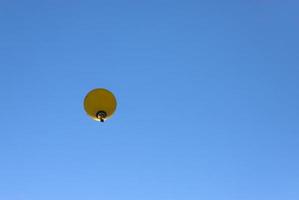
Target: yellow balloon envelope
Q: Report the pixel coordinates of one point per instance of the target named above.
(100, 104)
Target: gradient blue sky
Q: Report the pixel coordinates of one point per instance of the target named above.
(207, 91)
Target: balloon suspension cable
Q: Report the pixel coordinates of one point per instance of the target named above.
(101, 115)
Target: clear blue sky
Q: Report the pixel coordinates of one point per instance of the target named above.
(208, 100)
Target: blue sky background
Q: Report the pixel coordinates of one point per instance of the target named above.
(207, 93)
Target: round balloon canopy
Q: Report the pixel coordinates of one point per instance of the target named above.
(100, 104)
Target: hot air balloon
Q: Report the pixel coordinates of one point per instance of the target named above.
(100, 104)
